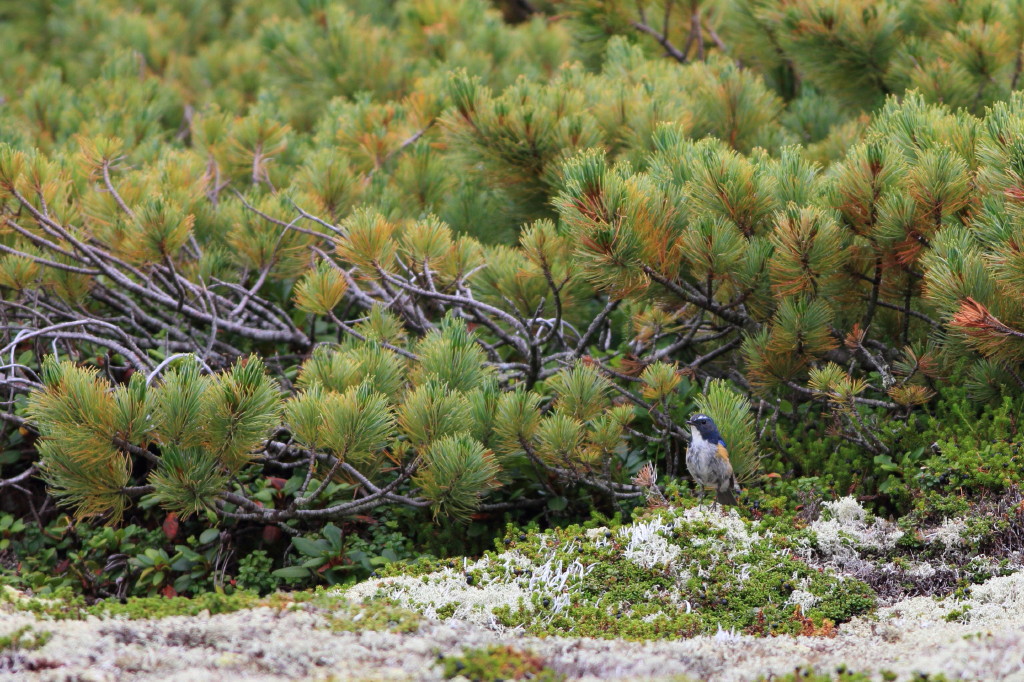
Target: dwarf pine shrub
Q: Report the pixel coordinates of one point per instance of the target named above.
(281, 264)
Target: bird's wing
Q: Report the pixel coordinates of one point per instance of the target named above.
(722, 452)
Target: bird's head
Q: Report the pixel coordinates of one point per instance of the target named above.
(705, 426)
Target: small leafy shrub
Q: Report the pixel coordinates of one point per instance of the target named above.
(10, 526)
(955, 448)
(331, 559)
(103, 561)
(254, 572)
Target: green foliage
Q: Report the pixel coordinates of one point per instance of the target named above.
(581, 393)
(78, 457)
(413, 256)
(458, 470)
(254, 572)
(179, 406)
(975, 455)
(498, 663)
(321, 290)
(100, 561)
(187, 480)
(955, 447)
(450, 355)
(10, 526)
(240, 409)
(355, 424)
(25, 638)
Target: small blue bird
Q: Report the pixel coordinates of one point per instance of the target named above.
(707, 460)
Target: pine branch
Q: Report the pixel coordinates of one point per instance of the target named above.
(913, 313)
(870, 402)
(699, 300)
(23, 476)
(661, 37)
(48, 263)
(136, 450)
(876, 285)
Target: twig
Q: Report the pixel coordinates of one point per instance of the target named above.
(671, 49)
(24, 475)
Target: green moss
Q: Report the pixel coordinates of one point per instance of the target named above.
(495, 663)
(340, 614)
(24, 638)
(66, 606)
(842, 674)
(447, 611)
(162, 607)
(383, 615)
(422, 566)
(960, 615)
(63, 604)
(703, 574)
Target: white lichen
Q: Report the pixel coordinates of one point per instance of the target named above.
(843, 531)
(727, 636)
(1006, 591)
(509, 580)
(737, 535)
(473, 603)
(805, 600)
(921, 570)
(921, 634)
(912, 636)
(951, 534)
(646, 545)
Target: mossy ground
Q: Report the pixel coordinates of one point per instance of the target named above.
(977, 636)
(671, 573)
(844, 674)
(494, 663)
(341, 614)
(764, 569)
(25, 638)
(768, 568)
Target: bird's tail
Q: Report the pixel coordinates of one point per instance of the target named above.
(726, 496)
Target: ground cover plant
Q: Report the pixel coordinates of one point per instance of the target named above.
(669, 574)
(291, 292)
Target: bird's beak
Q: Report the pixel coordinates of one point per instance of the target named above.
(690, 422)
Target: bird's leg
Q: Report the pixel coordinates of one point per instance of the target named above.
(700, 496)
